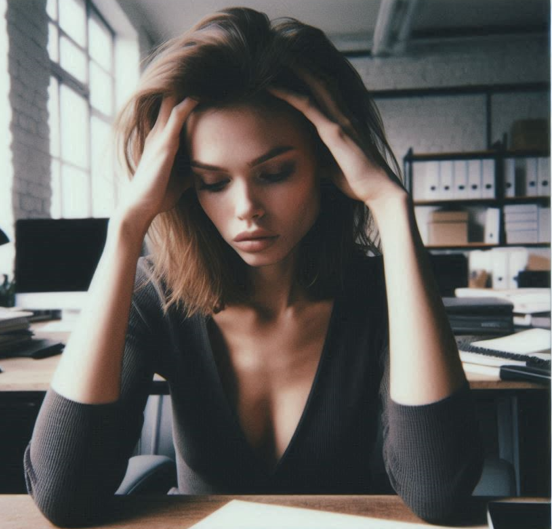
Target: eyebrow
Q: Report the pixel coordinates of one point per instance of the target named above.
(277, 151)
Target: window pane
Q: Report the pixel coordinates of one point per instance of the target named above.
(72, 59)
(72, 19)
(74, 127)
(101, 90)
(53, 116)
(55, 206)
(75, 192)
(100, 43)
(53, 42)
(51, 9)
(103, 190)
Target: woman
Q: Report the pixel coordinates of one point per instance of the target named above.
(258, 166)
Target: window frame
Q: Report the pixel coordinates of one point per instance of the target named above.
(82, 89)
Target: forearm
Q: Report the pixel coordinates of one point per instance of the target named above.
(90, 368)
(424, 362)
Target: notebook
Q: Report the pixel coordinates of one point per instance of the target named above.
(524, 356)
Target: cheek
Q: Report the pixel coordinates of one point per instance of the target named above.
(213, 208)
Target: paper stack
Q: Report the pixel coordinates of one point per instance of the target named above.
(526, 223)
(14, 329)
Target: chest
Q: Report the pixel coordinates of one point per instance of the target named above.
(267, 371)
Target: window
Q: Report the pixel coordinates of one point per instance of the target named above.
(81, 107)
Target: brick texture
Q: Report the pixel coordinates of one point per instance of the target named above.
(29, 70)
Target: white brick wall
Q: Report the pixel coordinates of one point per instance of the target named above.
(457, 123)
(29, 70)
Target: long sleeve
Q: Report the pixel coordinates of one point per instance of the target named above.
(78, 453)
(432, 453)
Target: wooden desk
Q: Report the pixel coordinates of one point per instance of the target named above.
(26, 374)
(24, 381)
(166, 512)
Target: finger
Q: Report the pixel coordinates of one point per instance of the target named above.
(167, 104)
(179, 114)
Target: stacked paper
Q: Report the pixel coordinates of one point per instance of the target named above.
(14, 329)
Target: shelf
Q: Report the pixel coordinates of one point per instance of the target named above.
(484, 201)
(516, 200)
(459, 202)
(482, 245)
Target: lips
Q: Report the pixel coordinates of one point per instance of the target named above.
(254, 241)
(253, 236)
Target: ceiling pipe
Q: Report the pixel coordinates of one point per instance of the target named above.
(393, 27)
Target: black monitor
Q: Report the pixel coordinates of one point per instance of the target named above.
(55, 260)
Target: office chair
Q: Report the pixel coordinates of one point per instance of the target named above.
(152, 469)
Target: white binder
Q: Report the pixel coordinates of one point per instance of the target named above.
(446, 180)
(510, 177)
(488, 189)
(499, 263)
(531, 177)
(460, 179)
(519, 257)
(432, 181)
(544, 224)
(492, 226)
(543, 177)
(474, 178)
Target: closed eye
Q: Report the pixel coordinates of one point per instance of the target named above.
(213, 188)
(277, 176)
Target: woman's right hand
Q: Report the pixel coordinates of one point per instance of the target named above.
(155, 187)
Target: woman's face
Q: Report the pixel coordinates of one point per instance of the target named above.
(255, 174)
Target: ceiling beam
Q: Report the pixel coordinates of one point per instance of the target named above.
(393, 27)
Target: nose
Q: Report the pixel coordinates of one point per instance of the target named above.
(248, 202)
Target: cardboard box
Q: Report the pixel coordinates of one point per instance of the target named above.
(447, 233)
(530, 134)
(449, 216)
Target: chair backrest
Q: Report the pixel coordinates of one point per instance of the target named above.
(156, 437)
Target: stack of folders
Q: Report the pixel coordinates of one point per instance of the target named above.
(531, 306)
(527, 177)
(521, 356)
(479, 315)
(453, 179)
(16, 337)
(526, 223)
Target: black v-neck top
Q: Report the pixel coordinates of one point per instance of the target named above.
(431, 454)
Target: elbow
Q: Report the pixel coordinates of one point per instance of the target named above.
(61, 512)
(444, 501)
(64, 506)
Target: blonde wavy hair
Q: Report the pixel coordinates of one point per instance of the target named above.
(233, 56)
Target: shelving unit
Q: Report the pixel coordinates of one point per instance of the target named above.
(498, 155)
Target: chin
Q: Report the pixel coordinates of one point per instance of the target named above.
(260, 259)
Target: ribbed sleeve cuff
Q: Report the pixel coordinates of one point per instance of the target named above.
(433, 453)
(76, 458)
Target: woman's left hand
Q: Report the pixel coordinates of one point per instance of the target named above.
(357, 174)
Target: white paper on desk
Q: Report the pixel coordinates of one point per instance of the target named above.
(251, 515)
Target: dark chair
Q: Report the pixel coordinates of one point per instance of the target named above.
(152, 468)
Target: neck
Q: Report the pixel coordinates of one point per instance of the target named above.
(275, 289)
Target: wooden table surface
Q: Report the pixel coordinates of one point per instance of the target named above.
(26, 374)
(166, 512)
